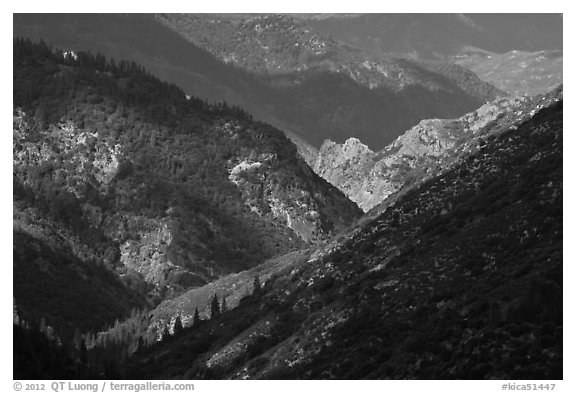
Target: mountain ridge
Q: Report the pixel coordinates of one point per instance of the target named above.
(434, 36)
(160, 189)
(313, 212)
(517, 53)
(369, 177)
(278, 44)
(470, 261)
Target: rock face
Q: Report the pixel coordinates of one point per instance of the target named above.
(297, 197)
(424, 151)
(345, 166)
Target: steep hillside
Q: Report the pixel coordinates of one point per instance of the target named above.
(51, 283)
(234, 288)
(38, 357)
(115, 168)
(369, 177)
(460, 279)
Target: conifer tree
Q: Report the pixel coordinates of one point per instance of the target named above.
(196, 317)
(165, 333)
(214, 307)
(43, 327)
(224, 306)
(77, 338)
(178, 325)
(83, 352)
(140, 344)
(257, 287)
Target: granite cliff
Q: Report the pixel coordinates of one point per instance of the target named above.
(422, 152)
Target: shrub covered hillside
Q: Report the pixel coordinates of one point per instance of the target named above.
(125, 173)
(461, 278)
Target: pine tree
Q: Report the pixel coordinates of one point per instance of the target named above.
(77, 338)
(140, 344)
(165, 333)
(257, 287)
(224, 306)
(214, 307)
(196, 317)
(178, 325)
(43, 327)
(83, 352)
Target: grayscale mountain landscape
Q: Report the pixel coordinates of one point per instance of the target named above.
(288, 196)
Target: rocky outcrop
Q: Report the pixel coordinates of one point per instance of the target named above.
(345, 165)
(88, 158)
(424, 151)
(309, 208)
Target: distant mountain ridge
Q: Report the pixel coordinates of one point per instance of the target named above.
(369, 177)
(280, 44)
(517, 53)
(308, 108)
(435, 36)
(516, 72)
(342, 90)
